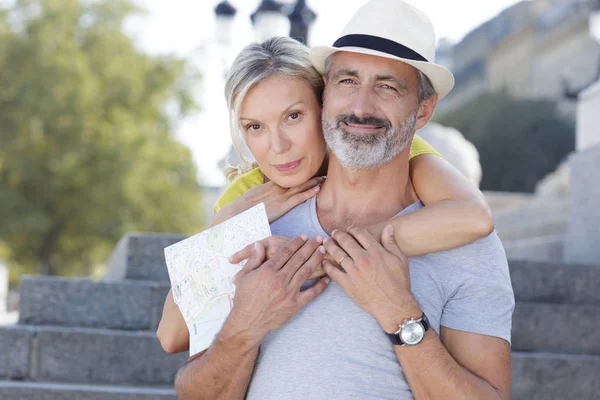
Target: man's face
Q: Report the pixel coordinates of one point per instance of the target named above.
(370, 107)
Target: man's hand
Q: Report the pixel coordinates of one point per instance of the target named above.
(375, 276)
(270, 246)
(268, 293)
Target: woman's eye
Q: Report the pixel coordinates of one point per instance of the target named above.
(253, 127)
(294, 116)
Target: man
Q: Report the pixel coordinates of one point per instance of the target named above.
(439, 328)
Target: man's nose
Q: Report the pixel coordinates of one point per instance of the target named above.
(364, 102)
(279, 142)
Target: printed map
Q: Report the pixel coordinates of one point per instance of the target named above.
(201, 275)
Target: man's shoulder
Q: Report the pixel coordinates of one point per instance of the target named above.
(296, 221)
(483, 256)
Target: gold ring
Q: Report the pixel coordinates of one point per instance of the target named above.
(342, 259)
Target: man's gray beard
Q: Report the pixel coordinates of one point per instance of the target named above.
(367, 151)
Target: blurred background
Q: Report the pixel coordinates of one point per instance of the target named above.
(112, 117)
(114, 137)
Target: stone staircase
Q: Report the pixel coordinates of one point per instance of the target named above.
(79, 339)
(536, 230)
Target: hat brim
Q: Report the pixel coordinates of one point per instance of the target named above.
(441, 79)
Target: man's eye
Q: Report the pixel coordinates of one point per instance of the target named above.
(348, 80)
(388, 87)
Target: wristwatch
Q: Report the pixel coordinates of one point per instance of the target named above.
(411, 332)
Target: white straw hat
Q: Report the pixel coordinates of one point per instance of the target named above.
(392, 29)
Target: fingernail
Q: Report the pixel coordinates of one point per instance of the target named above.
(327, 280)
(324, 262)
(322, 249)
(323, 178)
(317, 188)
(333, 232)
(304, 237)
(319, 238)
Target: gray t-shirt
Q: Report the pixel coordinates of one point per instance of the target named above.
(332, 349)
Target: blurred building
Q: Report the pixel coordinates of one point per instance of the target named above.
(538, 49)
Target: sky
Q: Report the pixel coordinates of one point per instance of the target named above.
(186, 28)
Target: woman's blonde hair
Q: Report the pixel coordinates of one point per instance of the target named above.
(258, 61)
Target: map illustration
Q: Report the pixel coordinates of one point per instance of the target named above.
(201, 275)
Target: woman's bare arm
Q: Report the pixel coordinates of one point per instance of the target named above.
(456, 212)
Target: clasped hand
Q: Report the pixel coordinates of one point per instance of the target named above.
(375, 275)
(268, 291)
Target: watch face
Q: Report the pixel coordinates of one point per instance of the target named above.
(412, 333)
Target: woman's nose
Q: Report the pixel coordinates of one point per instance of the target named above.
(279, 142)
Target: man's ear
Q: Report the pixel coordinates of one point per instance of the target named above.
(426, 109)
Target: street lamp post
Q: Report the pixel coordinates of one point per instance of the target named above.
(301, 19)
(269, 20)
(225, 14)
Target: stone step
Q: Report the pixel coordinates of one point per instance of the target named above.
(556, 328)
(15, 351)
(140, 256)
(541, 248)
(551, 225)
(554, 282)
(79, 355)
(130, 305)
(535, 376)
(546, 376)
(11, 390)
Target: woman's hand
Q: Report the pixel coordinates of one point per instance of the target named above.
(278, 200)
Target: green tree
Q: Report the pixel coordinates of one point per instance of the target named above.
(519, 141)
(87, 151)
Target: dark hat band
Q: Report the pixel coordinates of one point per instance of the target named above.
(379, 44)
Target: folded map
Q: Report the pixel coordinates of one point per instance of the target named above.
(201, 274)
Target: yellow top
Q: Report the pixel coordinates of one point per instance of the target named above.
(255, 177)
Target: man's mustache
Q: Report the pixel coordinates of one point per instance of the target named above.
(354, 120)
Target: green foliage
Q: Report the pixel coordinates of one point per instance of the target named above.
(86, 145)
(519, 141)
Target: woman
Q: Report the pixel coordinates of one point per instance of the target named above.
(274, 98)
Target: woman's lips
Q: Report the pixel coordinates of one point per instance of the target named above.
(287, 167)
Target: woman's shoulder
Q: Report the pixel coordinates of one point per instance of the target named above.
(239, 186)
(420, 146)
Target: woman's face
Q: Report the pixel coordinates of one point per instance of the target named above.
(281, 122)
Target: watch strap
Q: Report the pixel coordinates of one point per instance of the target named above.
(397, 340)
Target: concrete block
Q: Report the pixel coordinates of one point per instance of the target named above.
(140, 256)
(58, 391)
(555, 282)
(545, 376)
(584, 223)
(16, 344)
(544, 248)
(79, 355)
(86, 303)
(556, 328)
